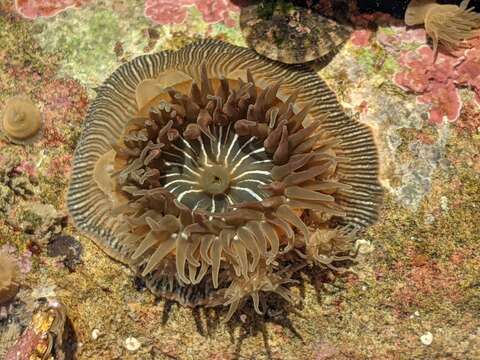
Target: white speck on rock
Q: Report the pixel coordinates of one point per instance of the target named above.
(429, 219)
(444, 203)
(95, 334)
(132, 344)
(426, 338)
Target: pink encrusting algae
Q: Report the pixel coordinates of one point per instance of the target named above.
(437, 83)
(32, 9)
(361, 37)
(166, 12)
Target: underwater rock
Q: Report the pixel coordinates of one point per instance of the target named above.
(290, 34)
(67, 248)
(44, 337)
(41, 221)
(14, 318)
(217, 167)
(9, 333)
(14, 182)
(21, 120)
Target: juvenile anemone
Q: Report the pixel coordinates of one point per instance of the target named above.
(206, 169)
(326, 247)
(8, 278)
(21, 120)
(448, 24)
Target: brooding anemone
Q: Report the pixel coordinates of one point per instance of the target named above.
(446, 24)
(216, 174)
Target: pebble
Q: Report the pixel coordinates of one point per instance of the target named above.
(426, 338)
(444, 203)
(429, 219)
(95, 334)
(132, 344)
(415, 314)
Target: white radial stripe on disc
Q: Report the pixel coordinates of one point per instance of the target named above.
(168, 163)
(219, 142)
(180, 197)
(232, 144)
(168, 175)
(181, 181)
(252, 180)
(250, 191)
(257, 151)
(188, 146)
(257, 172)
(204, 152)
(185, 153)
(261, 162)
(243, 147)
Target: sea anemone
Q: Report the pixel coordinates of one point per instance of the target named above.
(447, 24)
(21, 120)
(8, 278)
(207, 170)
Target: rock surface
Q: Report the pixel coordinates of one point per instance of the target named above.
(420, 278)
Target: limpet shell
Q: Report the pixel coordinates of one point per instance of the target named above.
(291, 34)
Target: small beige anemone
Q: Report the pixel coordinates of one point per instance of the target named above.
(21, 120)
(8, 278)
(445, 24)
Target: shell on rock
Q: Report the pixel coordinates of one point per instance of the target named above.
(211, 170)
(44, 337)
(291, 34)
(21, 120)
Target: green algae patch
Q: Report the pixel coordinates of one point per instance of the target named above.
(87, 40)
(229, 34)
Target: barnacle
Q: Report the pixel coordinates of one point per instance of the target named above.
(8, 278)
(445, 23)
(21, 120)
(208, 170)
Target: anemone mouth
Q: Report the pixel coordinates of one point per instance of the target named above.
(210, 179)
(217, 171)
